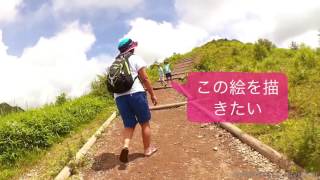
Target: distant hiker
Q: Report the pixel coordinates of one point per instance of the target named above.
(167, 71)
(161, 74)
(125, 79)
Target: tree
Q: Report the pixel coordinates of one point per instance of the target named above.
(262, 48)
(61, 99)
(260, 52)
(267, 44)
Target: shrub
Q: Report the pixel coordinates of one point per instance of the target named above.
(99, 87)
(21, 133)
(260, 52)
(62, 98)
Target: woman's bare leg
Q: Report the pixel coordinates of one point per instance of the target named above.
(146, 135)
(127, 136)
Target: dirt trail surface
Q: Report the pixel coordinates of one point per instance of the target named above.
(186, 151)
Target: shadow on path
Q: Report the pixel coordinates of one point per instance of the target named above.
(107, 161)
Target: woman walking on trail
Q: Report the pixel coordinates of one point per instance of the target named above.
(133, 104)
(161, 74)
(167, 71)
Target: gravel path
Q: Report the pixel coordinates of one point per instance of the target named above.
(186, 151)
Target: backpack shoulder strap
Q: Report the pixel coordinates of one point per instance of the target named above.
(126, 57)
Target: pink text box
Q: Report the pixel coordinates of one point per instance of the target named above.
(236, 97)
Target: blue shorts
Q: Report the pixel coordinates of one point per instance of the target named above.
(133, 109)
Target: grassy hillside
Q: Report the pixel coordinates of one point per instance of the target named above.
(29, 131)
(298, 136)
(27, 137)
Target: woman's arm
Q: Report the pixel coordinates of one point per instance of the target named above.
(146, 82)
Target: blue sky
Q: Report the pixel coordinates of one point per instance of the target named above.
(109, 25)
(52, 46)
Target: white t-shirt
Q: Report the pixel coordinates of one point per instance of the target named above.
(136, 63)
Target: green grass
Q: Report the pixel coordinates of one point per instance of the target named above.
(27, 136)
(48, 163)
(298, 136)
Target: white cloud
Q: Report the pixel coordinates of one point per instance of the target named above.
(54, 65)
(8, 9)
(157, 41)
(248, 20)
(71, 5)
(305, 38)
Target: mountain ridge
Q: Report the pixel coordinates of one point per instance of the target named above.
(5, 109)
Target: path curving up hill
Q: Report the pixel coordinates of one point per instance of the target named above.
(186, 150)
